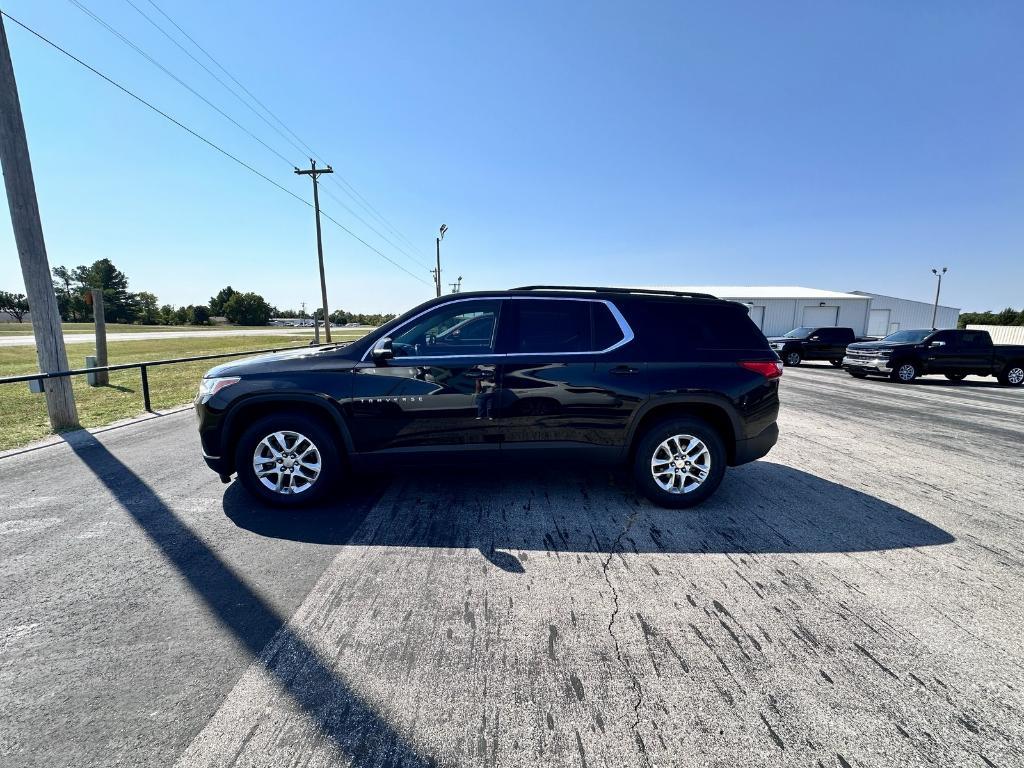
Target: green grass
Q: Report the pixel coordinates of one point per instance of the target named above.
(23, 414)
(25, 329)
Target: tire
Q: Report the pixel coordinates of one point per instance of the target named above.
(956, 376)
(657, 443)
(1012, 375)
(791, 359)
(836, 363)
(904, 373)
(857, 374)
(283, 433)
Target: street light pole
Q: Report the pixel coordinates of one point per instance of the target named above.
(938, 288)
(437, 272)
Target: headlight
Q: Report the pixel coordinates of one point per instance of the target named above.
(209, 387)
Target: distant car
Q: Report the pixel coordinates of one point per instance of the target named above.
(809, 343)
(595, 373)
(905, 355)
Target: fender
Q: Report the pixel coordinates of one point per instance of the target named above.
(688, 399)
(320, 401)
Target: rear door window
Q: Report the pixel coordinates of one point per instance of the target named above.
(552, 325)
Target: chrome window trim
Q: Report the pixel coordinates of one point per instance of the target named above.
(624, 327)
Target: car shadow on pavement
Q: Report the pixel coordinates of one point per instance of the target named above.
(763, 507)
(317, 691)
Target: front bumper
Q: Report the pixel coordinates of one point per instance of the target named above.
(756, 447)
(875, 364)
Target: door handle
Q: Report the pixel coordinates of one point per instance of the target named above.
(623, 370)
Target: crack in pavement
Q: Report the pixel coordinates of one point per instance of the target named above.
(638, 700)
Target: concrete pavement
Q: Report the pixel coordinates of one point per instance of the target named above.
(854, 599)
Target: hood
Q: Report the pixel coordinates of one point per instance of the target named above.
(303, 358)
(869, 345)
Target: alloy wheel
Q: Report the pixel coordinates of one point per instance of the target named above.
(1015, 375)
(681, 464)
(907, 372)
(286, 462)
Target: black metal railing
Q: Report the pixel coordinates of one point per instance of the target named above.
(143, 367)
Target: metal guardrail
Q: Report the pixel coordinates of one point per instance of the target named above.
(143, 366)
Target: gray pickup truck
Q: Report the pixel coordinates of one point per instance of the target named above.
(905, 355)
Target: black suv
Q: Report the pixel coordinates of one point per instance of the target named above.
(680, 385)
(806, 343)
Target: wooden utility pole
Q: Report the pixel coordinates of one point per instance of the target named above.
(319, 241)
(100, 320)
(28, 235)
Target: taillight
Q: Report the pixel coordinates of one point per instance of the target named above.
(770, 370)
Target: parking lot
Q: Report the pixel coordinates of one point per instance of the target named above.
(853, 599)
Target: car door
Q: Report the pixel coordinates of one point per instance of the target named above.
(560, 386)
(818, 345)
(975, 352)
(436, 392)
(942, 353)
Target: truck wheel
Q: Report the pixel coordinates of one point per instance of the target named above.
(287, 459)
(679, 463)
(904, 373)
(836, 363)
(792, 358)
(1012, 375)
(955, 376)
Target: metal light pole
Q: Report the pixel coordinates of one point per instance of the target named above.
(437, 272)
(938, 287)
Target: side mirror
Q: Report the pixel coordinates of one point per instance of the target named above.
(815, 338)
(382, 350)
(936, 343)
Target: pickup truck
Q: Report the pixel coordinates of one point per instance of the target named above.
(905, 355)
(807, 343)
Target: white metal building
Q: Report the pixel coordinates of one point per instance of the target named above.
(889, 314)
(778, 309)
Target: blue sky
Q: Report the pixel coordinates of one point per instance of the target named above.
(834, 145)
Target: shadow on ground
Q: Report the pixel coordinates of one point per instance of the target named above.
(760, 508)
(361, 735)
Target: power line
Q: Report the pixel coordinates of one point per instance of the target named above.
(350, 191)
(377, 232)
(209, 71)
(203, 139)
(127, 41)
(177, 79)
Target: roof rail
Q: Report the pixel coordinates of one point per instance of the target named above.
(603, 289)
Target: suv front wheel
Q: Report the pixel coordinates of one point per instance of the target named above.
(679, 463)
(287, 459)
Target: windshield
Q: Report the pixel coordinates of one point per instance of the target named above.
(799, 333)
(907, 337)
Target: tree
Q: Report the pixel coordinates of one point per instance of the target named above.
(200, 315)
(14, 303)
(149, 313)
(119, 305)
(217, 302)
(1008, 316)
(70, 304)
(247, 309)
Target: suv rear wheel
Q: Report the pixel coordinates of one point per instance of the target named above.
(679, 462)
(287, 459)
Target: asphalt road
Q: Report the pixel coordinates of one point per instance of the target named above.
(854, 599)
(28, 340)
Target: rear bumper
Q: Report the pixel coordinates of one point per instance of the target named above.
(755, 447)
(876, 365)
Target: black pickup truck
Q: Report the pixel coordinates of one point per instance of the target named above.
(905, 355)
(807, 343)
